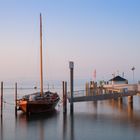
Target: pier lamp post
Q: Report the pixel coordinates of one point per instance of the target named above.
(133, 68)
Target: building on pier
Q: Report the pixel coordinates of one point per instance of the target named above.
(118, 80)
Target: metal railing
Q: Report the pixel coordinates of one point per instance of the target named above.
(97, 91)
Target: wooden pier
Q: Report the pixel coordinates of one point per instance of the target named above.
(93, 92)
(106, 96)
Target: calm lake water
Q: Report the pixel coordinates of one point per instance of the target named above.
(102, 120)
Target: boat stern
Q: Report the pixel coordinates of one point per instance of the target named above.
(22, 105)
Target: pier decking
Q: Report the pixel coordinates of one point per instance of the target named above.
(107, 96)
(104, 93)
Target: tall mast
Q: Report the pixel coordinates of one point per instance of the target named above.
(41, 65)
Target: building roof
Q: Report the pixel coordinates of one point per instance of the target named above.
(118, 78)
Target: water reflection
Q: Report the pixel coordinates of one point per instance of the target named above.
(62, 126)
(23, 118)
(72, 126)
(68, 126)
(95, 105)
(55, 125)
(41, 132)
(26, 125)
(1, 130)
(130, 111)
(125, 113)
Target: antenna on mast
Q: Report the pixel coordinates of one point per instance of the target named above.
(41, 63)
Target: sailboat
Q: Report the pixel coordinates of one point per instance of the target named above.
(39, 102)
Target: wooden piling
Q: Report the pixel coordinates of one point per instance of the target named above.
(1, 99)
(63, 86)
(91, 88)
(64, 97)
(16, 99)
(87, 89)
(71, 66)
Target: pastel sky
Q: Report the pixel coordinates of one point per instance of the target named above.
(95, 34)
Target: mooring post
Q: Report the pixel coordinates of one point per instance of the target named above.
(91, 88)
(63, 87)
(16, 99)
(71, 66)
(87, 89)
(1, 99)
(64, 96)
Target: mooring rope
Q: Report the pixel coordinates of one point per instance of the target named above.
(4, 101)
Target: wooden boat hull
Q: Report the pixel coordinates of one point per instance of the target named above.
(36, 106)
(35, 103)
(40, 107)
(22, 105)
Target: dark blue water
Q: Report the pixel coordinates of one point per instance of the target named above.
(107, 120)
